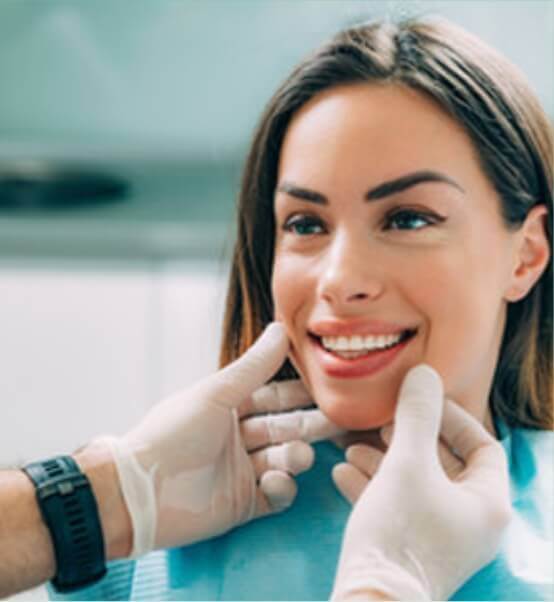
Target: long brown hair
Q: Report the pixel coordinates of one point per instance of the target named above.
(489, 97)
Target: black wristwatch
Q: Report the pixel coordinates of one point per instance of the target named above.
(70, 512)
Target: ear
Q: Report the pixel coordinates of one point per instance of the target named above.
(532, 254)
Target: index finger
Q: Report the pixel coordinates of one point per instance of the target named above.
(306, 425)
(276, 397)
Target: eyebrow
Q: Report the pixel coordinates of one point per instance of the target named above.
(379, 192)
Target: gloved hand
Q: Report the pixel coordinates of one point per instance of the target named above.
(415, 534)
(191, 470)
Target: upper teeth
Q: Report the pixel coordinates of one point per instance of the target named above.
(359, 343)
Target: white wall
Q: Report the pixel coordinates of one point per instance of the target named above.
(86, 348)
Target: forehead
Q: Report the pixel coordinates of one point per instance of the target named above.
(373, 131)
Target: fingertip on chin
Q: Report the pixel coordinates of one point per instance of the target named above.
(276, 330)
(426, 374)
(424, 371)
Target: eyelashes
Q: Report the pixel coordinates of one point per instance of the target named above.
(410, 220)
(404, 219)
(303, 225)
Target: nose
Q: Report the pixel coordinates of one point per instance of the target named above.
(350, 273)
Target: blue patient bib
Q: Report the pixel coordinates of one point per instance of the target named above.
(293, 555)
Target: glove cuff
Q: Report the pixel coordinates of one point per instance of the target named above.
(137, 486)
(375, 572)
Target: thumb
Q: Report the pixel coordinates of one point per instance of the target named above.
(234, 383)
(418, 412)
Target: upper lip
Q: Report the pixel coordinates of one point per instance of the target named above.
(334, 327)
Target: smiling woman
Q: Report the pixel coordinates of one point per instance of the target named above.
(423, 256)
(395, 209)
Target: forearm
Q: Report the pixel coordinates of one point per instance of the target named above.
(26, 550)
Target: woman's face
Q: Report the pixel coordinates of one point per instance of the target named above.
(390, 251)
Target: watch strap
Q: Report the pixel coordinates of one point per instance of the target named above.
(70, 511)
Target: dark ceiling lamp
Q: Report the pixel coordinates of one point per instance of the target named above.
(34, 185)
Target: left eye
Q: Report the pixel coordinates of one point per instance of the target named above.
(410, 220)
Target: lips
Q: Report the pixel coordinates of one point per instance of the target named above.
(363, 366)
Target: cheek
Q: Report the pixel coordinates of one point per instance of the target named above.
(288, 289)
(293, 289)
(462, 311)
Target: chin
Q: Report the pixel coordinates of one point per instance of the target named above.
(356, 416)
(351, 404)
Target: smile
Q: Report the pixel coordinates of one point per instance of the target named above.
(357, 356)
(358, 345)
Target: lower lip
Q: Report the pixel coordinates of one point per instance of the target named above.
(366, 365)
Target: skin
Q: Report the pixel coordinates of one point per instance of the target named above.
(448, 267)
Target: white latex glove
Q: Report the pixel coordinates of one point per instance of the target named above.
(191, 470)
(415, 534)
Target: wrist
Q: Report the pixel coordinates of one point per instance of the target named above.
(371, 594)
(96, 462)
(357, 584)
(370, 575)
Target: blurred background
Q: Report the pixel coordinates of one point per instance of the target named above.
(123, 127)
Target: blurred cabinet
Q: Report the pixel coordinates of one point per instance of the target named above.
(86, 348)
(191, 306)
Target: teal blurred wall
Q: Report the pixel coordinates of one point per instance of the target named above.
(191, 77)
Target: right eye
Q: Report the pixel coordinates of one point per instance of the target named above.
(303, 225)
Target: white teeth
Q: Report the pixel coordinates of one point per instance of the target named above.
(358, 343)
(342, 344)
